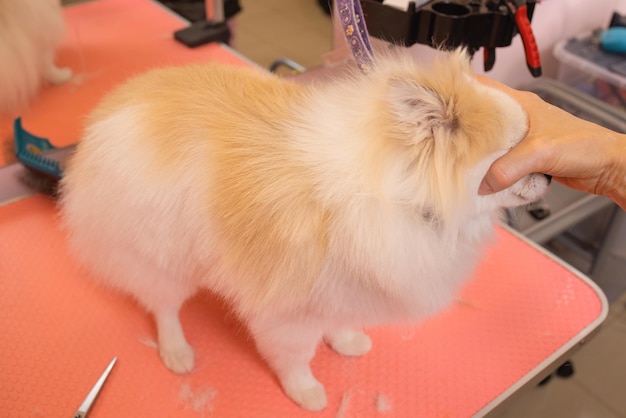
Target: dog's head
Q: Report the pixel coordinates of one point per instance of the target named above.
(448, 128)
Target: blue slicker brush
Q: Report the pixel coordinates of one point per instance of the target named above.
(38, 154)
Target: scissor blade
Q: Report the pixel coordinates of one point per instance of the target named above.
(83, 409)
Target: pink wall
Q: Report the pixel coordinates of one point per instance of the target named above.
(553, 21)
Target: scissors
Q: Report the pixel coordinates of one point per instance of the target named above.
(84, 408)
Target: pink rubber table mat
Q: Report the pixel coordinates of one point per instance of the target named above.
(106, 42)
(521, 312)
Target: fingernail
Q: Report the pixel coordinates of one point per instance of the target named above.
(485, 188)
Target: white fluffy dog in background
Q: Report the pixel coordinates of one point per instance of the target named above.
(30, 30)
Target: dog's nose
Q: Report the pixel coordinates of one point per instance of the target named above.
(549, 177)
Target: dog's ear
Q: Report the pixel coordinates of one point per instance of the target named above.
(418, 107)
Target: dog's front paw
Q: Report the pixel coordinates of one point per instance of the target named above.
(348, 342)
(179, 359)
(309, 396)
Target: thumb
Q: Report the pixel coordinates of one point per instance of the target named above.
(505, 172)
(528, 156)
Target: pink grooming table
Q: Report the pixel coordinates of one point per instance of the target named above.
(519, 317)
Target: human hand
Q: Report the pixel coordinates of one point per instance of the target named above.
(575, 152)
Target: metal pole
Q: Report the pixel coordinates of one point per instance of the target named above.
(215, 10)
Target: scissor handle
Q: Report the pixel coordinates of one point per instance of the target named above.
(531, 50)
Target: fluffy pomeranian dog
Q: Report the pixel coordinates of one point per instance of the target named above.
(315, 211)
(30, 31)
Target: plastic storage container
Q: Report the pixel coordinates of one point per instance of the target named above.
(586, 67)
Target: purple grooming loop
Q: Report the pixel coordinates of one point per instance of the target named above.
(355, 32)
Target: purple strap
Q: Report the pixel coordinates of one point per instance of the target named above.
(355, 31)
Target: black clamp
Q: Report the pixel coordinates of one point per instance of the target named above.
(448, 24)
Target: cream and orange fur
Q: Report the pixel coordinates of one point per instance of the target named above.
(30, 31)
(315, 211)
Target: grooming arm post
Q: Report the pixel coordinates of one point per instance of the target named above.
(215, 11)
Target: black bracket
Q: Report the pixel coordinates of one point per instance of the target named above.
(448, 24)
(445, 23)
